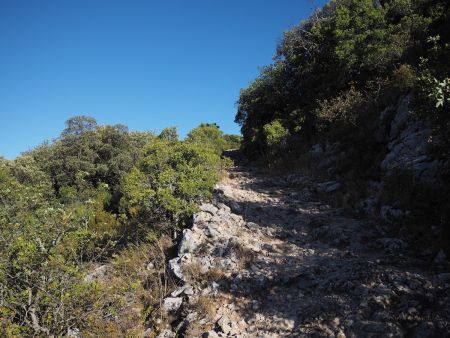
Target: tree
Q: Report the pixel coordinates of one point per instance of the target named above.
(208, 135)
(347, 44)
(78, 125)
(169, 134)
(232, 141)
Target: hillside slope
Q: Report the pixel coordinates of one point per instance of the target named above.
(366, 84)
(269, 258)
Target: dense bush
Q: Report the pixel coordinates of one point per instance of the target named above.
(342, 112)
(211, 136)
(350, 58)
(335, 81)
(169, 181)
(276, 136)
(96, 194)
(433, 97)
(41, 246)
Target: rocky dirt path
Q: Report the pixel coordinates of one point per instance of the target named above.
(269, 259)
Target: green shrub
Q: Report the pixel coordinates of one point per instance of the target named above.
(432, 99)
(440, 92)
(208, 135)
(169, 134)
(169, 182)
(232, 141)
(59, 214)
(347, 53)
(343, 111)
(276, 134)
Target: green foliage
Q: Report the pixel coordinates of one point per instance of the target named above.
(232, 141)
(334, 80)
(433, 95)
(275, 133)
(88, 156)
(440, 92)
(349, 56)
(361, 34)
(40, 253)
(275, 141)
(208, 135)
(211, 136)
(84, 199)
(258, 105)
(169, 181)
(341, 113)
(169, 134)
(79, 125)
(276, 137)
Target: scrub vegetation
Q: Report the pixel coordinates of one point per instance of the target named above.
(334, 76)
(100, 201)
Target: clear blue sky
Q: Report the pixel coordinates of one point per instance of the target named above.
(147, 64)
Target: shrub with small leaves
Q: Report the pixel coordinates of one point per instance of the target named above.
(169, 182)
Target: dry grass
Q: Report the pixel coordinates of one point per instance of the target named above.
(244, 255)
(214, 274)
(225, 163)
(206, 307)
(134, 291)
(195, 273)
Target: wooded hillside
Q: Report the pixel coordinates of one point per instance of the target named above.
(364, 85)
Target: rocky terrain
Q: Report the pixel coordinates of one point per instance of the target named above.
(404, 143)
(268, 258)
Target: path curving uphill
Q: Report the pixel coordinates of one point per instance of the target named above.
(269, 259)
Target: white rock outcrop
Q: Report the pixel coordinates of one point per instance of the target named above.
(282, 263)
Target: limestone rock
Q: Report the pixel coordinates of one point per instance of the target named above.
(97, 274)
(408, 146)
(392, 245)
(271, 262)
(424, 330)
(328, 187)
(440, 258)
(390, 214)
(175, 267)
(190, 241)
(74, 333)
(224, 190)
(401, 118)
(368, 206)
(166, 334)
(184, 290)
(172, 304)
(207, 207)
(316, 149)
